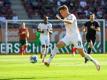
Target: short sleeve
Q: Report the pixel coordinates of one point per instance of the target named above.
(39, 26)
(71, 17)
(97, 24)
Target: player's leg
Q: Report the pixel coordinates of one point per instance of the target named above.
(44, 52)
(89, 46)
(91, 42)
(43, 45)
(89, 49)
(25, 46)
(87, 56)
(81, 51)
(47, 42)
(78, 44)
(21, 50)
(60, 44)
(21, 47)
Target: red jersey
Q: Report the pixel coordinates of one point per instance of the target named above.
(23, 33)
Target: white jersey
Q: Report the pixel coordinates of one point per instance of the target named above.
(71, 29)
(72, 32)
(46, 28)
(44, 37)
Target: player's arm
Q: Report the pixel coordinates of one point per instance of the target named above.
(50, 29)
(66, 21)
(84, 29)
(39, 29)
(27, 33)
(98, 27)
(20, 32)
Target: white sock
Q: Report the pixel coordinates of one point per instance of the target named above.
(43, 51)
(90, 58)
(53, 53)
(96, 63)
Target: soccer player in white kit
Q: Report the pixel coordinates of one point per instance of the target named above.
(72, 36)
(45, 29)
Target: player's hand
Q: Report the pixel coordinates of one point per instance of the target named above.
(57, 16)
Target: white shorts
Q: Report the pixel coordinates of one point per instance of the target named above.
(45, 40)
(73, 39)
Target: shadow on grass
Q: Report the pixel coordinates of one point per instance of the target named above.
(17, 78)
(32, 78)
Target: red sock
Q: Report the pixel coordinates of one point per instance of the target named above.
(21, 50)
(24, 49)
(74, 50)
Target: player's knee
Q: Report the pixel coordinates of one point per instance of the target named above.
(81, 51)
(60, 45)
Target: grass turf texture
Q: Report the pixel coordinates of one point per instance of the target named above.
(63, 67)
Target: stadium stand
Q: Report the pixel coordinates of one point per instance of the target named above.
(5, 9)
(38, 8)
(83, 7)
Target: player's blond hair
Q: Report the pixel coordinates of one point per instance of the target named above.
(63, 7)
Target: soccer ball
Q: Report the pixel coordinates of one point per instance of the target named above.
(33, 59)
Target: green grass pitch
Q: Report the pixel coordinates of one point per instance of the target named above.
(63, 67)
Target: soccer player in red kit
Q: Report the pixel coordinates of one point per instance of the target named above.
(23, 35)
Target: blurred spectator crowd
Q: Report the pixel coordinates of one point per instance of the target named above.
(36, 9)
(5, 9)
(81, 8)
